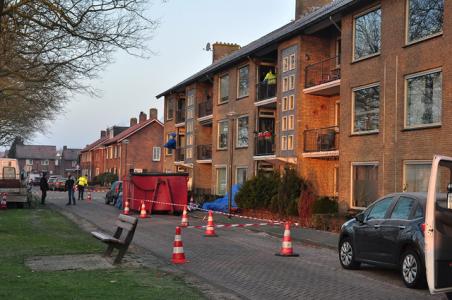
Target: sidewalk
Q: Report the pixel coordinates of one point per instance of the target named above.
(307, 235)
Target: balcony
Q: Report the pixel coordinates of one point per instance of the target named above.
(180, 116)
(204, 153)
(321, 142)
(205, 110)
(179, 155)
(264, 144)
(265, 93)
(323, 78)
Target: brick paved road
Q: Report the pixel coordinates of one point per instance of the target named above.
(243, 262)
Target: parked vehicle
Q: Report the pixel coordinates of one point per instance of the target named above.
(52, 183)
(60, 184)
(36, 180)
(10, 181)
(113, 193)
(390, 232)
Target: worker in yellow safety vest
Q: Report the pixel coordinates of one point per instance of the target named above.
(82, 182)
(270, 78)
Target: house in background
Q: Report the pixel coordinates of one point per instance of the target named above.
(68, 160)
(37, 158)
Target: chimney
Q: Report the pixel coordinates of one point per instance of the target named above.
(133, 122)
(303, 7)
(220, 50)
(103, 133)
(153, 114)
(142, 117)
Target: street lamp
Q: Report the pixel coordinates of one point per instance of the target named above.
(125, 142)
(231, 116)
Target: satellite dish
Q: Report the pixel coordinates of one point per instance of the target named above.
(208, 47)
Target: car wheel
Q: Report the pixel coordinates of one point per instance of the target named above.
(412, 269)
(347, 254)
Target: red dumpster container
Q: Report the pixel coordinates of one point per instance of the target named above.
(162, 192)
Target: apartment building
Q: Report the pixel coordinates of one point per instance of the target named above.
(361, 73)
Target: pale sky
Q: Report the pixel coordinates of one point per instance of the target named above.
(130, 84)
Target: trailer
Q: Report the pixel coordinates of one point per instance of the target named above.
(10, 184)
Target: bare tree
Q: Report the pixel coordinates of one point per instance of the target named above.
(49, 49)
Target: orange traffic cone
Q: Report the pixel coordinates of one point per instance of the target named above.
(89, 197)
(178, 248)
(143, 210)
(184, 221)
(126, 208)
(286, 248)
(210, 228)
(3, 204)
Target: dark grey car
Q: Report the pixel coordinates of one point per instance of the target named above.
(389, 232)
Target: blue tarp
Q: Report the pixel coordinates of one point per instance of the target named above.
(221, 204)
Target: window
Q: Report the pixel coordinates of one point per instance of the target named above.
(240, 175)
(425, 19)
(284, 104)
(285, 64)
(189, 153)
(364, 184)
(221, 181)
(243, 81)
(190, 112)
(190, 99)
(224, 89)
(291, 122)
(285, 86)
(168, 151)
(291, 102)
(223, 130)
(403, 208)
(29, 162)
(379, 210)
(74, 163)
(284, 124)
(97, 171)
(290, 142)
(367, 34)
(189, 139)
(45, 162)
(170, 109)
(56, 162)
(115, 151)
(284, 143)
(423, 103)
(242, 132)
(416, 176)
(366, 109)
(156, 152)
(292, 62)
(291, 82)
(419, 211)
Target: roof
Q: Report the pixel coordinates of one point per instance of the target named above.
(130, 131)
(35, 152)
(70, 154)
(275, 36)
(94, 144)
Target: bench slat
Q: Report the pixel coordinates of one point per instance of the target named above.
(124, 225)
(128, 219)
(106, 238)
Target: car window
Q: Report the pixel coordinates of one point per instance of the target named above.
(403, 208)
(419, 211)
(379, 209)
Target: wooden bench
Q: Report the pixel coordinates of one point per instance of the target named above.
(121, 239)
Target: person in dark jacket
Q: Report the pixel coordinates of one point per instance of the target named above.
(69, 185)
(43, 184)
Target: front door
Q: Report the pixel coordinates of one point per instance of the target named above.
(438, 226)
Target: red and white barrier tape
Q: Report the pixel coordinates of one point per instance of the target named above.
(235, 225)
(278, 222)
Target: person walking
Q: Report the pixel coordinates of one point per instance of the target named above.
(82, 182)
(69, 185)
(44, 185)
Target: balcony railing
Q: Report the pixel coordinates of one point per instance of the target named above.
(180, 116)
(179, 154)
(265, 91)
(322, 72)
(322, 139)
(205, 108)
(265, 144)
(204, 152)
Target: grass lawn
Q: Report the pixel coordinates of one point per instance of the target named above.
(36, 232)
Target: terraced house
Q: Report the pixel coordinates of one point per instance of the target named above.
(367, 74)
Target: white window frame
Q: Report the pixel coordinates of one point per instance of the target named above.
(419, 74)
(237, 132)
(407, 25)
(29, 162)
(285, 64)
(220, 101)
(412, 162)
(290, 142)
(218, 135)
(285, 103)
(354, 164)
(284, 142)
(237, 172)
(284, 123)
(44, 162)
(374, 8)
(238, 82)
(217, 181)
(291, 122)
(291, 82)
(189, 153)
(156, 153)
(167, 108)
(292, 62)
(291, 102)
(353, 109)
(285, 86)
